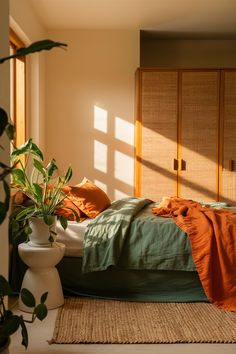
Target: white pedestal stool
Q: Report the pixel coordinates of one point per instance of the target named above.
(42, 276)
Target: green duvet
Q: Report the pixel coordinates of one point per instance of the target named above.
(127, 235)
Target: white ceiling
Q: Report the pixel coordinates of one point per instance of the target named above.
(214, 17)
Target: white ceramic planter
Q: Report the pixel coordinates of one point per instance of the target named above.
(40, 232)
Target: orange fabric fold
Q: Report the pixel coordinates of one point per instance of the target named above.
(212, 233)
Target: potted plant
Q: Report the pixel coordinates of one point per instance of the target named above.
(43, 187)
(10, 322)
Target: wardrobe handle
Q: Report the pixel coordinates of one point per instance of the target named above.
(175, 164)
(231, 165)
(182, 165)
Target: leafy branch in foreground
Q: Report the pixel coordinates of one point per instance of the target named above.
(10, 323)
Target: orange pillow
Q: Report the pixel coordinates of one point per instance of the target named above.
(89, 198)
(68, 213)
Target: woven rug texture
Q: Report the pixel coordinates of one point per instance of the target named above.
(87, 320)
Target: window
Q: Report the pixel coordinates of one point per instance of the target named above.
(17, 109)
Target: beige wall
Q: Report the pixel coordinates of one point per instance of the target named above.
(90, 106)
(4, 103)
(25, 23)
(188, 53)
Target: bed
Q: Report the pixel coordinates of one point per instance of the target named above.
(130, 275)
(121, 250)
(127, 279)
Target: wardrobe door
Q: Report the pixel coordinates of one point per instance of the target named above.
(198, 135)
(228, 138)
(156, 146)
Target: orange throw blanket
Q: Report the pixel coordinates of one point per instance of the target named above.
(212, 233)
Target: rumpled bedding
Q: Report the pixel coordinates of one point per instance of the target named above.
(212, 233)
(129, 236)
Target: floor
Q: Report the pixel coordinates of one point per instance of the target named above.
(41, 332)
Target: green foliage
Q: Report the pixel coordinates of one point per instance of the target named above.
(38, 46)
(43, 185)
(9, 323)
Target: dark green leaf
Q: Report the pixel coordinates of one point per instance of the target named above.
(23, 149)
(7, 193)
(38, 191)
(24, 333)
(51, 239)
(18, 176)
(28, 230)
(44, 297)
(45, 44)
(11, 324)
(63, 222)
(40, 168)
(3, 120)
(51, 167)
(15, 226)
(41, 311)
(36, 151)
(27, 298)
(4, 206)
(49, 219)
(68, 175)
(3, 212)
(10, 130)
(5, 288)
(25, 213)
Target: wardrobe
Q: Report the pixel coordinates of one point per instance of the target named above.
(186, 134)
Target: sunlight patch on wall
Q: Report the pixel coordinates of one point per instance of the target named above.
(100, 119)
(100, 156)
(124, 131)
(101, 185)
(124, 168)
(120, 194)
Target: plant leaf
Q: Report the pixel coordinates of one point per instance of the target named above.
(10, 130)
(25, 213)
(3, 212)
(45, 44)
(48, 219)
(23, 149)
(4, 206)
(41, 311)
(51, 239)
(37, 164)
(68, 175)
(44, 298)
(63, 222)
(3, 120)
(24, 333)
(38, 191)
(11, 325)
(27, 298)
(51, 167)
(18, 176)
(5, 288)
(77, 217)
(15, 226)
(28, 230)
(36, 151)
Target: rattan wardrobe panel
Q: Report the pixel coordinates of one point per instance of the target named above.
(186, 116)
(228, 137)
(198, 138)
(159, 133)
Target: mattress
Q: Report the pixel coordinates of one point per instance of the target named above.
(72, 237)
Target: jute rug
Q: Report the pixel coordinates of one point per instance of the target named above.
(85, 320)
